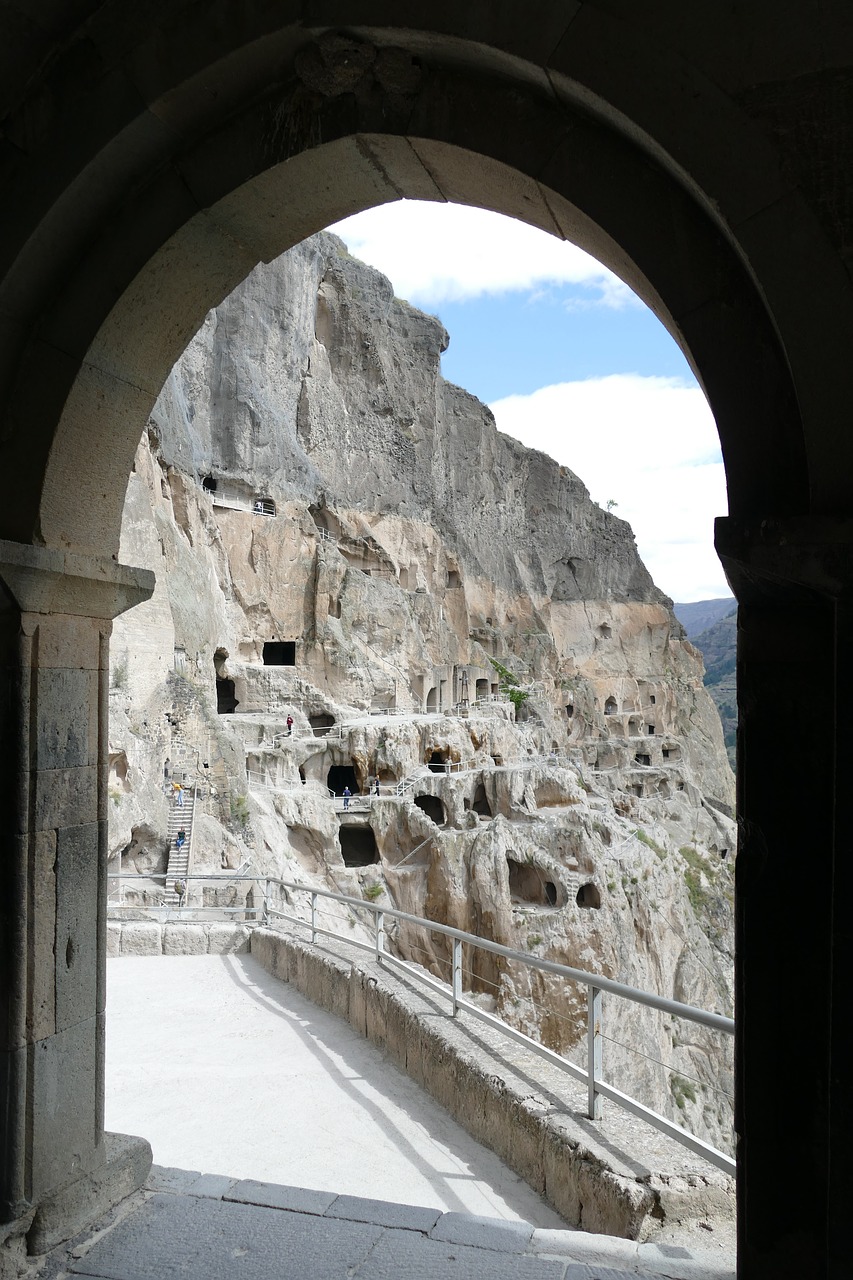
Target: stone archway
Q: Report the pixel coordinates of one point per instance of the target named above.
(154, 166)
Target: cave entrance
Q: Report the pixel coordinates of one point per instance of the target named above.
(433, 807)
(432, 699)
(610, 707)
(340, 776)
(358, 846)
(279, 653)
(226, 699)
(480, 803)
(482, 689)
(321, 723)
(437, 762)
(588, 896)
(528, 885)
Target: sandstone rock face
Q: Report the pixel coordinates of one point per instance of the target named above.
(341, 536)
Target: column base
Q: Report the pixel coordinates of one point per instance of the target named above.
(67, 1211)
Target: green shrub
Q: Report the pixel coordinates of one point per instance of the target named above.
(682, 1090)
(374, 891)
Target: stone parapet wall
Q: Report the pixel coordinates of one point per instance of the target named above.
(175, 938)
(619, 1178)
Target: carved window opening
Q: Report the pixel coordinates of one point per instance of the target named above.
(358, 846)
(651, 728)
(209, 484)
(482, 689)
(570, 709)
(279, 653)
(610, 707)
(432, 699)
(453, 578)
(642, 758)
(652, 699)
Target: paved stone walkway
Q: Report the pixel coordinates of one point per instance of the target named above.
(222, 1067)
(203, 1227)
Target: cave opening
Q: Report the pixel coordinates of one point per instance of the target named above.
(433, 807)
(321, 723)
(480, 803)
(642, 758)
(482, 688)
(432, 699)
(437, 762)
(340, 776)
(528, 885)
(358, 846)
(610, 707)
(226, 698)
(279, 653)
(588, 896)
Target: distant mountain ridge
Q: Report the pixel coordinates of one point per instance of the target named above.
(702, 614)
(711, 626)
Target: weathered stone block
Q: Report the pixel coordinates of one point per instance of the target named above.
(65, 1100)
(76, 953)
(43, 935)
(141, 938)
(113, 939)
(66, 706)
(64, 640)
(65, 798)
(184, 939)
(227, 939)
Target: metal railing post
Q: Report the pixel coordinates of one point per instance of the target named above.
(457, 974)
(593, 1051)
(380, 935)
(313, 918)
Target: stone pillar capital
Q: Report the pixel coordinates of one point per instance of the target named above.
(47, 580)
(810, 557)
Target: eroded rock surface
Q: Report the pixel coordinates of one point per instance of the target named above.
(341, 536)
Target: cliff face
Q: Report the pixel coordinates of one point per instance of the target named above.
(340, 535)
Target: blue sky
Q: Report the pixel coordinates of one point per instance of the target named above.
(570, 362)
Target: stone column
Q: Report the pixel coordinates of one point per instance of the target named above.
(55, 622)
(794, 958)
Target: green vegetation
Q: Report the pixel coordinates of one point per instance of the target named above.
(239, 806)
(374, 891)
(533, 940)
(682, 1090)
(509, 685)
(650, 843)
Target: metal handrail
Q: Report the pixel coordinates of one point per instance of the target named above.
(596, 984)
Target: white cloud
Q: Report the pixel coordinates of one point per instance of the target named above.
(650, 445)
(435, 253)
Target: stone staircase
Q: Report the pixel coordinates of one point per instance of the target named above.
(179, 859)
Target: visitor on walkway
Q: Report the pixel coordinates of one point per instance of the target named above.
(179, 795)
(347, 794)
(290, 726)
(180, 839)
(376, 785)
(180, 890)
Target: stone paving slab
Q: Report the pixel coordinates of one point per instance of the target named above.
(384, 1213)
(404, 1255)
(483, 1233)
(198, 1239)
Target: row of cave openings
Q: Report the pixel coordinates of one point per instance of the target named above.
(528, 886)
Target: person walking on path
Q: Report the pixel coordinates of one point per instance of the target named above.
(376, 785)
(290, 726)
(179, 795)
(180, 890)
(347, 794)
